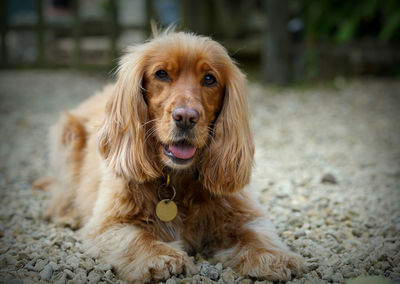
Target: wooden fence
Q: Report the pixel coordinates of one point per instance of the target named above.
(220, 18)
(76, 29)
(278, 59)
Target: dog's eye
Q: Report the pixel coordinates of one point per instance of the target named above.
(162, 75)
(209, 80)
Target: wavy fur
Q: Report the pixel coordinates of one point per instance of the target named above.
(110, 157)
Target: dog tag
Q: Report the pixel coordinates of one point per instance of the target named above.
(166, 210)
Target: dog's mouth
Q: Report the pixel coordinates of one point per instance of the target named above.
(181, 152)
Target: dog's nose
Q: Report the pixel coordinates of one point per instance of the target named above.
(185, 118)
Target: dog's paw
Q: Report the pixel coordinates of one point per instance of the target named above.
(274, 265)
(163, 266)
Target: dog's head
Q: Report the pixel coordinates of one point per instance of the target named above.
(179, 102)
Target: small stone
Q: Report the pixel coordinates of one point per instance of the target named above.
(314, 274)
(228, 276)
(9, 279)
(3, 261)
(201, 279)
(40, 264)
(104, 266)
(219, 267)
(356, 232)
(170, 281)
(299, 233)
(245, 281)
(177, 279)
(69, 273)
(348, 271)
(47, 272)
(69, 239)
(59, 278)
(329, 178)
(288, 235)
(109, 274)
(312, 266)
(94, 276)
(209, 271)
(22, 255)
(383, 265)
(334, 261)
(67, 245)
(336, 277)
(29, 266)
(326, 272)
(11, 260)
(88, 264)
(73, 261)
(295, 220)
(79, 278)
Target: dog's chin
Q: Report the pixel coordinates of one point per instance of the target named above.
(179, 155)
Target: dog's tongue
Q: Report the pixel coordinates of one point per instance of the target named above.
(182, 151)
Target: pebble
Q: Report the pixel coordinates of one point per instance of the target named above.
(94, 276)
(219, 267)
(336, 277)
(109, 274)
(329, 178)
(40, 264)
(80, 278)
(228, 276)
(9, 279)
(73, 261)
(10, 260)
(209, 271)
(103, 266)
(312, 266)
(59, 278)
(87, 264)
(299, 233)
(202, 279)
(47, 272)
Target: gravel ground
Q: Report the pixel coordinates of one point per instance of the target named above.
(327, 171)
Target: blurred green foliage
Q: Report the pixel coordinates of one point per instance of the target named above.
(340, 21)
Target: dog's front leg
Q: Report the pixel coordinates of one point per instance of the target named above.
(258, 252)
(136, 255)
(116, 235)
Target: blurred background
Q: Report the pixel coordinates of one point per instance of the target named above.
(276, 41)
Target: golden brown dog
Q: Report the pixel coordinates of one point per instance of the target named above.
(173, 130)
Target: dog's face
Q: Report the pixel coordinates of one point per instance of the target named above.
(184, 92)
(179, 101)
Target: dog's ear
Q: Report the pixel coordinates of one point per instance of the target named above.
(122, 137)
(226, 165)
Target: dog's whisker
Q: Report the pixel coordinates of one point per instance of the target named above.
(151, 121)
(150, 132)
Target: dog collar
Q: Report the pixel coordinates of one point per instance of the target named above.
(166, 209)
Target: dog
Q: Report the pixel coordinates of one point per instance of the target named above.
(156, 167)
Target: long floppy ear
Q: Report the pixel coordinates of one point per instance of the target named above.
(122, 137)
(226, 165)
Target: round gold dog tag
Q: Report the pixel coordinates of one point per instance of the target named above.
(166, 210)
